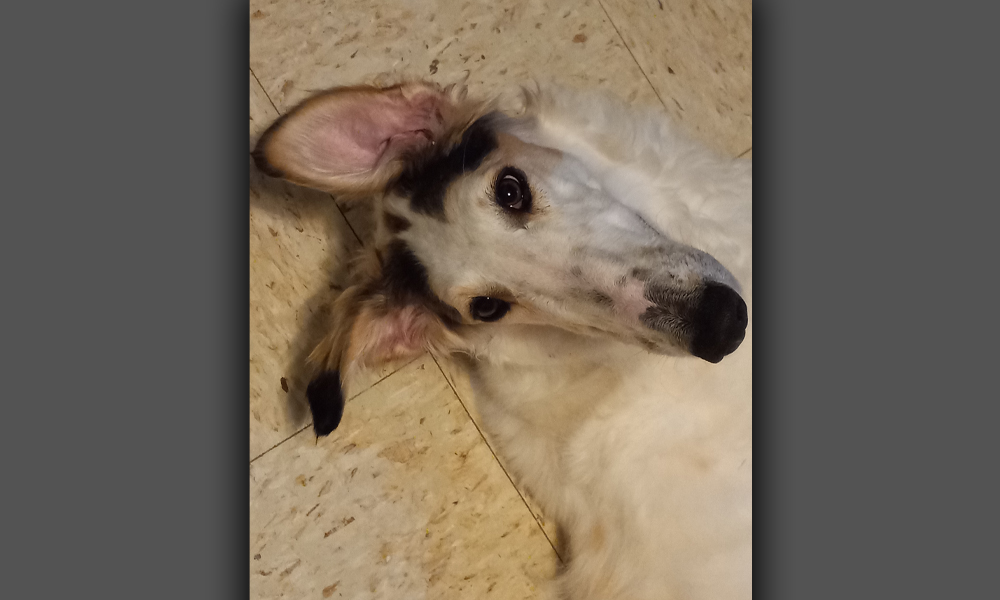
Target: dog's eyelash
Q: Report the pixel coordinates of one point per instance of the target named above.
(497, 291)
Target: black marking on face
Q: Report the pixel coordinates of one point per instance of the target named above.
(404, 279)
(426, 182)
(649, 344)
(326, 402)
(576, 271)
(403, 275)
(600, 298)
(395, 223)
(641, 274)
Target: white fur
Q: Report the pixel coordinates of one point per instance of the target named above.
(645, 461)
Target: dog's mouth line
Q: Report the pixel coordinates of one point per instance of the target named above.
(654, 342)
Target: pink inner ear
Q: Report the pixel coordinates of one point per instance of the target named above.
(401, 333)
(360, 132)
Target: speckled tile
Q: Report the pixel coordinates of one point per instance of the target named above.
(299, 244)
(699, 57)
(403, 500)
(297, 48)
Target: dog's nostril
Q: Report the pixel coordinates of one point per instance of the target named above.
(720, 323)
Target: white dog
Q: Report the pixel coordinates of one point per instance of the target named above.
(590, 267)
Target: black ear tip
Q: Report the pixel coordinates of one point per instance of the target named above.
(259, 153)
(260, 159)
(326, 401)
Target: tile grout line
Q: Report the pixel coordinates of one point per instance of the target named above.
(387, 376)
(307, 425)
(266, 95)
(643, 71)
(304, 427)
(634, 59)
(278, 112)
(346, 220)
(496, 458)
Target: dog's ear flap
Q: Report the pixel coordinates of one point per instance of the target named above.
(369, 330)
(352, 141)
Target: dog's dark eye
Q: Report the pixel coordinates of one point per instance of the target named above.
(511, 190)
(509, 193)
(486, 308)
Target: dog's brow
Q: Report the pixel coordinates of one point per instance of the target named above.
(426, 183)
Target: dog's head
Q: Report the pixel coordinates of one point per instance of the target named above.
(479, 229)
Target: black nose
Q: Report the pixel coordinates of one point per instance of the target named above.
(720, 323)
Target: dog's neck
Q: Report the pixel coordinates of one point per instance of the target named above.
(547, 376)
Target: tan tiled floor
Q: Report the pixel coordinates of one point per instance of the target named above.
(406, 499)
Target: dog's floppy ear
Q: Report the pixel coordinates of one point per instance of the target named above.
(352, 141)
(371, 324)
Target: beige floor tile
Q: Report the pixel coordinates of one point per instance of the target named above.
(699, 57)
(297, 48)
(403, 500)
(299, 244)
(262, 112)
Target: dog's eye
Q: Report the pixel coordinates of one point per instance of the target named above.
(511, 190)
(486, 308)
